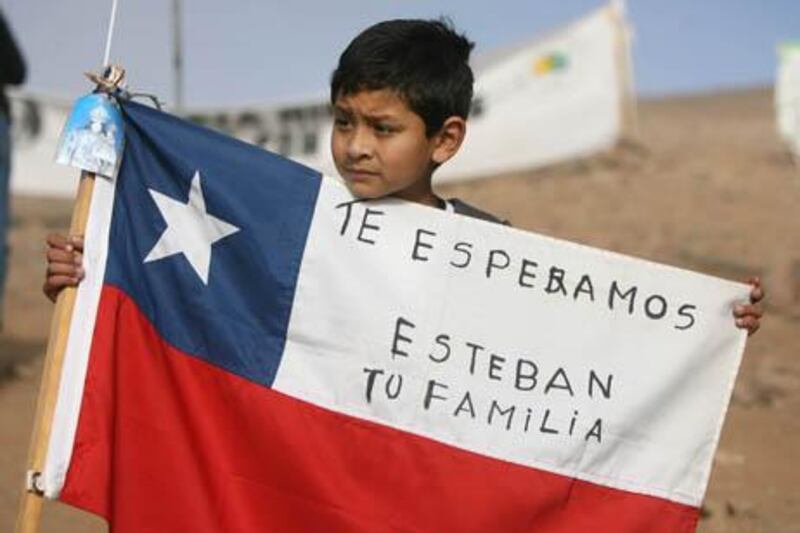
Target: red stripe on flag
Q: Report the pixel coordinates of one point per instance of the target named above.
(167, 442)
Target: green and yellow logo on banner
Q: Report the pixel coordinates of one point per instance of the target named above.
(552, 62)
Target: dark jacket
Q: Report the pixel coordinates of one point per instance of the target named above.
(12, 66)
(463, 208)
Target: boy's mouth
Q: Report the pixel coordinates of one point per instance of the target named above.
(354, 174)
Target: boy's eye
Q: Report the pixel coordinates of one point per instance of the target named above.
(341, 122)
(384, 129)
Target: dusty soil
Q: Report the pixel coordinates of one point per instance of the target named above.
(706, 186)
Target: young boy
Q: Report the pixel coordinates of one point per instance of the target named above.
(401, 96)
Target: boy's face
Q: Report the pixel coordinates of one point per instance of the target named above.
(380, 147)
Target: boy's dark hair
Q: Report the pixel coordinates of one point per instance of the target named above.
(426, 62)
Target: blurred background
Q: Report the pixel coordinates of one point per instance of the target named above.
(664, 130)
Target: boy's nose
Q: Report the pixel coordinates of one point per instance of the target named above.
(359, 144)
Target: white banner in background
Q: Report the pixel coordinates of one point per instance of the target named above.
(36, 128)
(556, 98)
(787, 95)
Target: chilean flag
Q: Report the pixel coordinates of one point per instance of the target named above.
(255, 350)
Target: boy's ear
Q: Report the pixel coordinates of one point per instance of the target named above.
(448, 139)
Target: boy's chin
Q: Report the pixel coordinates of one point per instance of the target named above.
(363, 192)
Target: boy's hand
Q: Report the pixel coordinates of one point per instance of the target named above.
(64, 257)
(748, 316)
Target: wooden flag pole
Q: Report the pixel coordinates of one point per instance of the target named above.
(29, 512)
(30, 507)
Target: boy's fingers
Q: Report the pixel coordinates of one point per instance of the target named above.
(747, 322)
(756, 295)
(62, 242)
(56, 240)
(76, 241)
(58, 269)
(54, 255)
(757, 291)
(751, 324)
(56, 283)
(748, 310)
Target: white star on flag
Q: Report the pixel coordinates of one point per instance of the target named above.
(190, 229)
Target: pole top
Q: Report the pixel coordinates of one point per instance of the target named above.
(111, 79)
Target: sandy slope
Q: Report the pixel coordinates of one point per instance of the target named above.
(708, 188)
